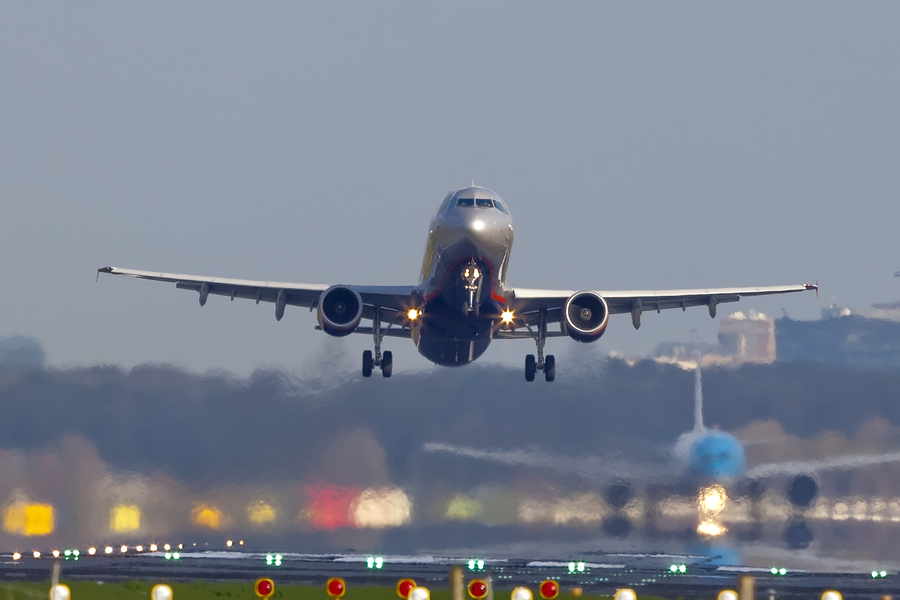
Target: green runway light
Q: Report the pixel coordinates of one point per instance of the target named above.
(481, 565)
(376, 562)
(580, 567)
(168, 555)
(877, 574)
(176, 556)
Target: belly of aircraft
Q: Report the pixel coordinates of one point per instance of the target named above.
(448, 338)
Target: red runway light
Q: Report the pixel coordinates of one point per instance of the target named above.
(478, 588)
(264, 588)
(335, 587)
(549, 589)
(404, 587)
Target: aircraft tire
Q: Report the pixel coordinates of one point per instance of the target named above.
(387, 363)
(550, 367)
(368, 363)
(530, 367)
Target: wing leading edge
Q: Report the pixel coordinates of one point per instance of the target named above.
(394, 298)
(637, 301)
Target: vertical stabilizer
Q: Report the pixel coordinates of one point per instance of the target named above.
(698, 399)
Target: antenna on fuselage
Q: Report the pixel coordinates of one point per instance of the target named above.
(698, 397)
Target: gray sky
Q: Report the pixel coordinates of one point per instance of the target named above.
(639, 145)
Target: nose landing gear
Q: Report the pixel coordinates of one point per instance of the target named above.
(384, 361)
(541, 363)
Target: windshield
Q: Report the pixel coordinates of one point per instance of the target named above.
(476, 202)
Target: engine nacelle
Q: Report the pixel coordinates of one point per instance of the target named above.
(340, 310)
(585, 316)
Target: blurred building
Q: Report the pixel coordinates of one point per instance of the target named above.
(843, 338)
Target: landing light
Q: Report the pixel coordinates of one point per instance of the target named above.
(478, 225)
(413, 314)
(507, 317)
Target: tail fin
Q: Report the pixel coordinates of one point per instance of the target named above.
(698, 398)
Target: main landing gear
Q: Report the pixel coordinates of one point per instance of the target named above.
(383, 361)
(541, 363)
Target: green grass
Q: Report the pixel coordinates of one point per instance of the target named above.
(200, 590)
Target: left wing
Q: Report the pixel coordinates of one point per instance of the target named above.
(395, 299)
(528, 301)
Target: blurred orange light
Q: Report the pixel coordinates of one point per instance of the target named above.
(29, 519)
(36, 554)
(108, 549)
(92, 551)
(16, 556)
(124, 518)
(413, 314)
(206, 515)
(56, 554)
(152, 547)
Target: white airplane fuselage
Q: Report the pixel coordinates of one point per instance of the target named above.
(463, 279)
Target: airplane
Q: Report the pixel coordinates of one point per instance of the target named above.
(702, 456)
(462, 301)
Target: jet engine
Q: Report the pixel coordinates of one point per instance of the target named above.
(340, 310)
(585, 316)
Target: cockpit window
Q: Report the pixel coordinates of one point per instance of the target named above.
(476, 202)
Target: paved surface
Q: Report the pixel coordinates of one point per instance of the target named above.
(647, 574)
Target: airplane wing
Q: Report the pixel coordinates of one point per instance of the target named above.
(530, 302)
(393, 298)
(840, 462)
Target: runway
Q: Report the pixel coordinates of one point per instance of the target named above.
(648, 574)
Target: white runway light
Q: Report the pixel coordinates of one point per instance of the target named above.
(60, 591)
(625, 594)
(161, 592)
(419, 593)
(522, 593)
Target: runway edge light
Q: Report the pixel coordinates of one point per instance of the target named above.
(727, 595)
(264, 587)
(521, 593)
(335, 587)
(478, 589)
(60, 591)
(625, 594)
(419, 593)
(549, 589)
(161, 591)
(404, 587)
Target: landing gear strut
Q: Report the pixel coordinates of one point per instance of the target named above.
(546, 364)
(384, 361)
